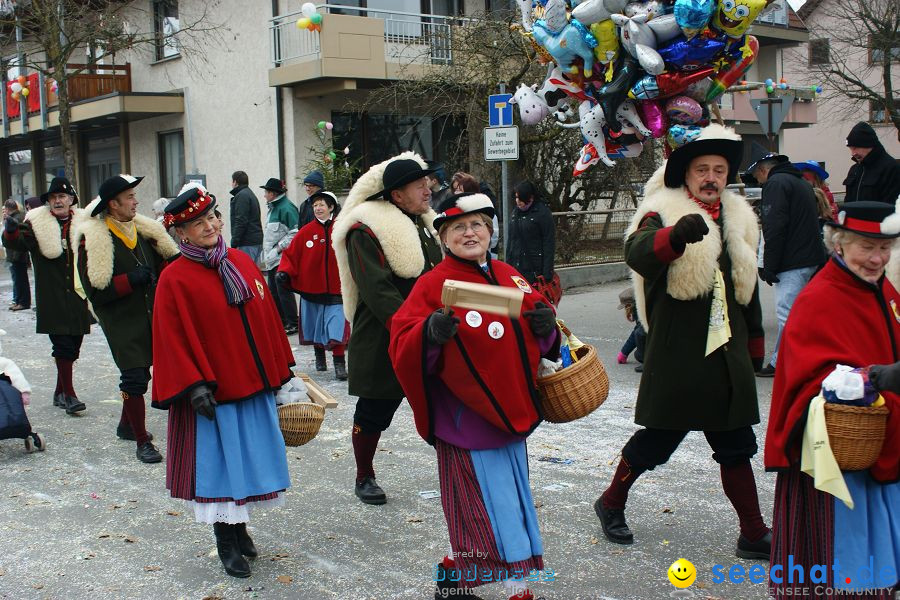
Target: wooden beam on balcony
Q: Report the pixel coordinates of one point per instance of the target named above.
(324, 87)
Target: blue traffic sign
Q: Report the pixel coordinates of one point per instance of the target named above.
(500, 111)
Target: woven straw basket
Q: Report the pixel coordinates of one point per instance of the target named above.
(300, 422)
(577, 390)
(856, 434)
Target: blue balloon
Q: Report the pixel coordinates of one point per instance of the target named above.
(769, 82)
(693, 14)
(690, 55)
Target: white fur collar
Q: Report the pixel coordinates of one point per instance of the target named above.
(98, 241)
(47, 231)
(396, 232)
(692, 274)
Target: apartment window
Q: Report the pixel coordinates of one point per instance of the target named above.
(878, 113)
(502, 7)
(819, 52)
(171, 162)
(165, 23)
(877, 55)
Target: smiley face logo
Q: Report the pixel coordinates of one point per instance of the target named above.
(682, 573)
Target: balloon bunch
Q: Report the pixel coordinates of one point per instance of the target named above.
(321, 128)
(311, 19)
(19, 88)
(634, 69)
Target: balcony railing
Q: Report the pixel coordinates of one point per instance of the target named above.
(409, 37)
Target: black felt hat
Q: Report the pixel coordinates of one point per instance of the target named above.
(59, 185)
(111, 188)
(275, 185)
(398, 173)
(714, 139)
(868, 219)
(759, 153)
(463, 204)
(191, 203)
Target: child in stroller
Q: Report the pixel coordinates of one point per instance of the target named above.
(15, 395)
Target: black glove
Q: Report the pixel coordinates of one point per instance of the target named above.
(688, 230)
(203, 402)
(441, 327)
(283, 279)
(768, 276)
(11, 225)
(885, 378)
(140, 276)
(542, 319)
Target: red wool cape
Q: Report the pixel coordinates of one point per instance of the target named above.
(493, 377)
(837, 319)
(198, 338)
(310, 260)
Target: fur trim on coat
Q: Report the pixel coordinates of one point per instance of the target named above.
(46, 231)
(396, 233)
(692, 275)
(98, 241)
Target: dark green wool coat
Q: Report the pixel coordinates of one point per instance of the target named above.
(682, 389)
(381, 292)
(60, 310)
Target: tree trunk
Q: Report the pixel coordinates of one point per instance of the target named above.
(65, 127)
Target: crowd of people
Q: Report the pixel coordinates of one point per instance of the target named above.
(170, 294)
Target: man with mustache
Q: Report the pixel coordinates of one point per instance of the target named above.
(62, 313)
(875, 173)
(692, 249)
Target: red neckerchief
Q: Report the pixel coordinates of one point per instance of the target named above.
(713, 209)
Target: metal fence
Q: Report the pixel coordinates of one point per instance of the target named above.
(289, 43)
(590, 237)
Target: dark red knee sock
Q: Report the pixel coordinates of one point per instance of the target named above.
(740, 487)
(364, 447)
(338, 349)
(133, 407)
(616, 494)
(64, 376)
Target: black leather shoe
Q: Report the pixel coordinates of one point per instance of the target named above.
(147, 453)
(59, 400)
(766, 371)
(761, 548)
(613, 522)
(340, 368)
(290, 330)
(369, 492)
(244, 542)
(229, 552)
(73, 405)
(447, 588)
(124, 432)
(639, 368)
(320, 359)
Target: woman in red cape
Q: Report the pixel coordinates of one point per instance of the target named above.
(848, 314)
(470, 379)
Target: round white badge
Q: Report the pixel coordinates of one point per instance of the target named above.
(309, 244)
(473, 318)
(495, 330)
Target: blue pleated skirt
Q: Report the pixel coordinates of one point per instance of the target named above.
(323, 324)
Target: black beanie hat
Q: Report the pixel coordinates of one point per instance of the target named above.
(862, 136)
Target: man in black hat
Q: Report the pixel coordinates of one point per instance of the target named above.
(282, 225)
(62, 313)
(875, 174)
(793, 249)
(383, 241)
(692, 249)
(120, 256)
(437, 182)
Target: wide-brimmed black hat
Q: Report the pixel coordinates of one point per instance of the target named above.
(275, 185)
(398, 173)
(714, 139)
(759, 153)
(192, 203)
(868, 219)
(459, 205)
(330, 198)
(59, 185)
(111, 188)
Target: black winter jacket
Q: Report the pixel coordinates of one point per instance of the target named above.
(790, 222)
(877, 177)
(532, 241)
(246, 225)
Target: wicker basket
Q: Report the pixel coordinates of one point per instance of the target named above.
(577, 390)
(300, 422)
(856, 434)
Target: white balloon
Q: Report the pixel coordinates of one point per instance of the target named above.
(308, 9)
(649, 59)
(16, 87)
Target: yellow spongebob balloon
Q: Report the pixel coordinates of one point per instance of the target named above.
(734, 17)
(607, 49)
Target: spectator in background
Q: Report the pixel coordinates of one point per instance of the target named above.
(462, 182)
(876, 174)
(813, 172)
(17, 259)
(532, 236)
(246, 223)
(437, 183)
(159, 209)
(281, 226)
(32, 202)
(313, 183)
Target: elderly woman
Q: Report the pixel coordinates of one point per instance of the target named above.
(471, 385)
(219, 354)
(848, 314)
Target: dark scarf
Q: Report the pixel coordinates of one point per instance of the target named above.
(236, 289)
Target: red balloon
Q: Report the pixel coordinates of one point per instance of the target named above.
(728, 77)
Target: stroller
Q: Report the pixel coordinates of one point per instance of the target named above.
(15, 392)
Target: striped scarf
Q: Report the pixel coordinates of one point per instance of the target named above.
(236, 289)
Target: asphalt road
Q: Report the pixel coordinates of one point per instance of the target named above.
(86, 519)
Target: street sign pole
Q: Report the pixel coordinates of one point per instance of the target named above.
(504, 191)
